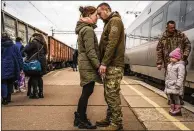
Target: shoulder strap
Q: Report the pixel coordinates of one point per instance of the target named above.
(35, 54)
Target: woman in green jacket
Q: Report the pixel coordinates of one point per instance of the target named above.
(88, 62)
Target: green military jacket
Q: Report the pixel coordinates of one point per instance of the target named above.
(88, 53)
(168, 43)
(111, 45)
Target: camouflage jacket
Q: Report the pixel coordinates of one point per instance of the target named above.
(168, 43)
(111, 45)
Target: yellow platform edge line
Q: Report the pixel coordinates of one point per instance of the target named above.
(175, 121)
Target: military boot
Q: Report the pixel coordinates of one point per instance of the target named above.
(103, 123)
(113, 127)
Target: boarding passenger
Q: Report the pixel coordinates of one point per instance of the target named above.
(36, 50)
(112, 65)
(11, 66)
(174, 81)
(88, 62)
(170, 40)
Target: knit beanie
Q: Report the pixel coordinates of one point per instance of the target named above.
(176, 54)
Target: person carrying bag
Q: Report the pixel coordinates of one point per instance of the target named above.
(35, 65)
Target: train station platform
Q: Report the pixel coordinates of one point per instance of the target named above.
(143, 108)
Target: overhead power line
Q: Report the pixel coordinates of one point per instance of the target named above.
(54, 9)
(42, 13)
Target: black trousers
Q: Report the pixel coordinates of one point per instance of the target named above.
(75, 66)
(35, 82)
(87, 90)
(9, 83)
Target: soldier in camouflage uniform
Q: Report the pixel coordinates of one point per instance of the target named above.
(112, 64)
(170, 40)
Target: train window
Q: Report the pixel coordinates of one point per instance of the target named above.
(137, 37)
(158, 18)
(174, 11)
(189, 13)
(156, 31)
(145, 32)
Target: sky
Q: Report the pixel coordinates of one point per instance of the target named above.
(63, 15)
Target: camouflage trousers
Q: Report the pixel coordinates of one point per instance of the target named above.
(112, 94)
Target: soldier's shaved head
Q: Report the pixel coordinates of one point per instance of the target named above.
(104, 11)
(105, 6)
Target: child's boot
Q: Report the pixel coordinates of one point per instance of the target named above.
(177, 111)
(172, 108)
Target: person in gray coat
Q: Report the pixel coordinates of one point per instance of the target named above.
(174, 81)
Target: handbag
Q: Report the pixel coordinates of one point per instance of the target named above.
(32, 66)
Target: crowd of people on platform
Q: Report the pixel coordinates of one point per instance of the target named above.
(13, 62)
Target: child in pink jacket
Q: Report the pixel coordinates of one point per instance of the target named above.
(174, 81)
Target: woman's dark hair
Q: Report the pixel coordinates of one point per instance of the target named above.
(41, 39)
(87, 10)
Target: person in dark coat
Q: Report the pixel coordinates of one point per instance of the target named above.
(11, 66)
(36, 44)
(75, 55)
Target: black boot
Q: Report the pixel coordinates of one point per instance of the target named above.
(28, 93)
(41, 95)
(76, 119)
(85, 123)
(29, 88)
(40, 87)
(34, 95)
(8, 98)
(4, 102)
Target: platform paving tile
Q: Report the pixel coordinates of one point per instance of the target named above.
(168, 126)
(62, 95)
(57, 118)
(137, 101)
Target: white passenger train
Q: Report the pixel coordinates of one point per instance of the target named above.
(143, 34)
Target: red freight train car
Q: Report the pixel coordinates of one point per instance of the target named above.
(60, 55)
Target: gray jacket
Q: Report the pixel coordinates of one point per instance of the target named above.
(174, 78)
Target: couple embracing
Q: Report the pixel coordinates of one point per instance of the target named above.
(105, 60)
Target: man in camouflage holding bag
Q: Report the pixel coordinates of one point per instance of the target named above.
(112, 64)
(170, 40)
